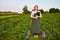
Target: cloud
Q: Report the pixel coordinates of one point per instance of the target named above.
(17, 5)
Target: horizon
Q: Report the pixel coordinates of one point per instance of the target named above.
(17, 5)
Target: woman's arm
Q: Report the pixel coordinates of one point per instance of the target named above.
(32, 16)
(40, 15)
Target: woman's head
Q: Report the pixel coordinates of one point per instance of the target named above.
(36, 8)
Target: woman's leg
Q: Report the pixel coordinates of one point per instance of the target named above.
(36, 35)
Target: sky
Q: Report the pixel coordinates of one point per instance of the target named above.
(17, 5)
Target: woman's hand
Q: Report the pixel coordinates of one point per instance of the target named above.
(36, 17)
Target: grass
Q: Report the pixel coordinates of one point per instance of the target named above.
(14, 27)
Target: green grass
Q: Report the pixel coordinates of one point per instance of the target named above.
(15, 27)
(7, 16)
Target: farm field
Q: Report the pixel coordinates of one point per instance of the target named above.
(15, 27)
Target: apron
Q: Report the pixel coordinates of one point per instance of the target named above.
(35, 29)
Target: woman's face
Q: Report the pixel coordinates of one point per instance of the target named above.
(36, 8)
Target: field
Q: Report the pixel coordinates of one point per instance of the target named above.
(15, 27)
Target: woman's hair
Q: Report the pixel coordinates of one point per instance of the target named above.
(35, 6)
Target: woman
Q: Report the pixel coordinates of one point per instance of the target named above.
(36, 15)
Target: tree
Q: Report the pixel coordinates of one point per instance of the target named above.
(57, 10)
(25, 10)
(41, 10)
(53, 10)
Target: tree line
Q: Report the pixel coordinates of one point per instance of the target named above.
(51, 10)
(26, 11)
